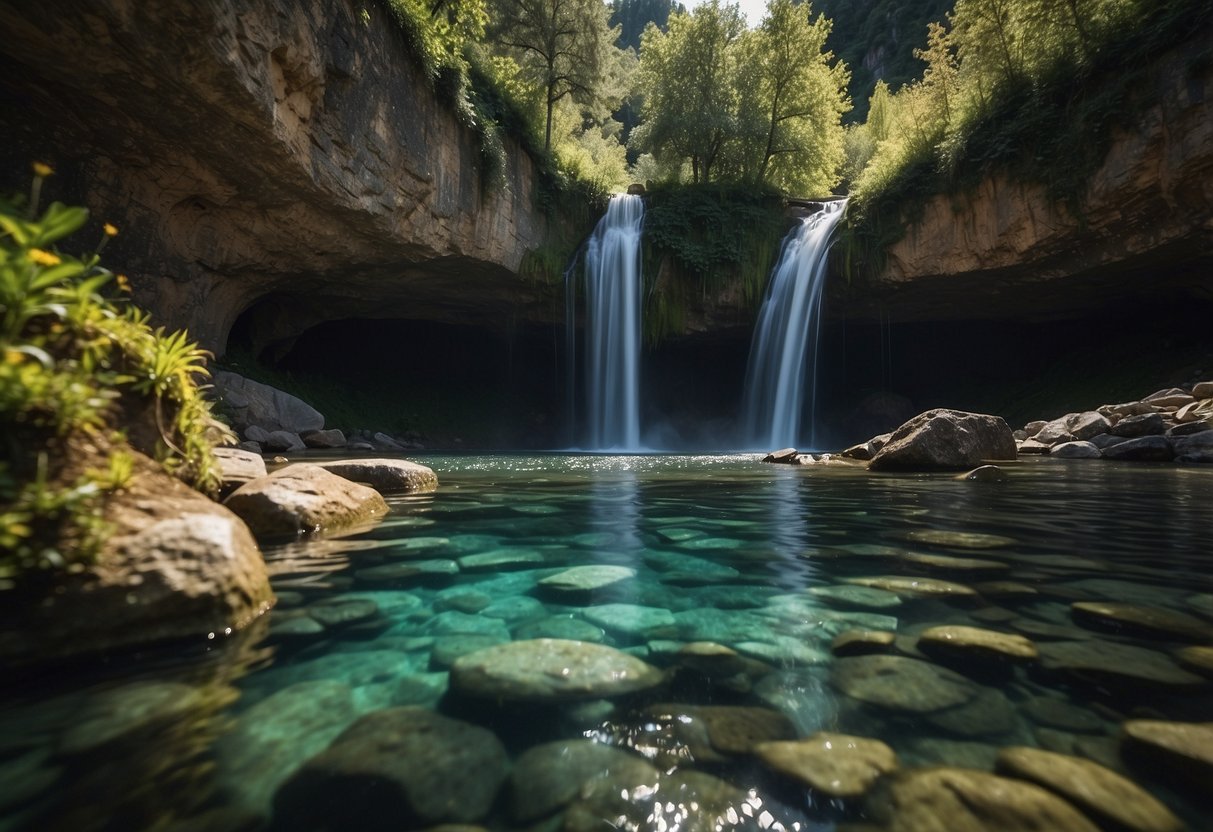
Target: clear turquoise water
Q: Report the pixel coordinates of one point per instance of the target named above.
(200, 737)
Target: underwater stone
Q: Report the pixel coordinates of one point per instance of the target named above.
(550, 670)
(338, 612)
(1102, 793)
(912, 586)
(959, 540)
(560, 627)
(1180, 751)
(126, 711)
(1151, 622)
(838, 765)
(1057, 713)
(975, 643)
(630, 619)
(396, 768)
(901, 684)
(548, 777)
(858, 596)
(862, 642)
(587, 578)
(1104, 663)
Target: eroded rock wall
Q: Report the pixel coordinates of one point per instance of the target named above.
(263, 150)
(1009, 249)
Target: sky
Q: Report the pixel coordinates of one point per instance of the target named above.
(752, 9)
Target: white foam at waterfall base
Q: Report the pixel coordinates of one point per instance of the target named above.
(612, 328)
(782, 370)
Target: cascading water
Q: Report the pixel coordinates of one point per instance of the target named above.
(785, 338)
(612, 327)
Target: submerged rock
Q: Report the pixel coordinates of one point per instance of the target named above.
(632, 619)
(916, 587)
(901, 684)
(550, 670)
(963, 800)
(1181, 752)
(973, 643)
(587, 578)
(837, 765)
(303, 498)
(862, 642)
(548, 777)
(1151, 622)
(1103, 663)
(945, 439)
(864, 597)
(396, 768)
(1098, 791)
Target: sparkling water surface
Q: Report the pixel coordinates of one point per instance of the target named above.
(771, 562)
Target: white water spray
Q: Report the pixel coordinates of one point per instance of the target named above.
(612, 326)
(783, 355)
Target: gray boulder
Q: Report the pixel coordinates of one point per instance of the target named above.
(303, 498)
(1076, 450)
(253, 403)
(332, 438)
(1141, 449)
(283, 440)
(1193, 444)
(1145, 424)
(945, 440)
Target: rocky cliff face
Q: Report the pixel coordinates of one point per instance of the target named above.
(1145, 226)
(283, 156)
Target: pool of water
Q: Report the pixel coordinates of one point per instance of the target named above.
(735, 580)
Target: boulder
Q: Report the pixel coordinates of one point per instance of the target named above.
(383, 442)
(283, 440)
(175, 565)
(945, 439)
(785, 456)
(1075, 450)
(1145, 424)
(332, 438)
(303, 498)
(1203, 390)
(253, 403)
(387, 476)
(1196, 443)
(236, 467)
(1141, 449)
(398, 768)
(1031, 446)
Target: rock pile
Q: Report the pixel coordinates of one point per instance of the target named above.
(1171, 424)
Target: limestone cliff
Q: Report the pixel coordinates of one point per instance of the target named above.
(1006, 248)
(287, 156)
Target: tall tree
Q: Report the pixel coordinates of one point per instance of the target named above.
(687, 80)
(564, 48)
(792, 99)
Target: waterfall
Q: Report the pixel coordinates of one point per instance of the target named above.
(612, 327)
(786, 338)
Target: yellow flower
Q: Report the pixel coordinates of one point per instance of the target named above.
(13, 357)
(110, 230)
(124, 285)
(43, 169)
(43, 258)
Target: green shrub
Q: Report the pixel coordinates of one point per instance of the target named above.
(78, 359)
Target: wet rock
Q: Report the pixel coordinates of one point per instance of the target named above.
(514, 609)
(236, 467)
(565, 628)
(838, 765)
(945, 439)
(1178, 752)
(862, 642)
(1192, 444)
(303, 498)
(948, 563)
(382, 442)
(1145, 424)
(901, 684)
(689, 801)
(341, 612)
(127, 711)
(1105, 440)
(1119, 665)
(387, 476)
(959, 540)
(408, 572)
(283, 441)
(461, 599)
(1031, 446)
(631, 620)
(1054, 432)
(1098, 791)
(1005, 589)
(501, 560)
(396, 768)
(989, 713)
(785, 456)
(1076, 450)
(1057, 713)
(448, 649)
(273, 738)
(864, 597)
(937, 751)
(295, 628)
(452, 623)
(676, 568)
(587, 578)
(1151, 622)
(1203, 390)
(984, 473)
(972, 643)
(1143, 449)
(1172, 397)
(1126, 409)
(713, 733)
(962, 800)
(324, 438)
(916, 587)
(548, 777)
(550, 670)
(1197, 659)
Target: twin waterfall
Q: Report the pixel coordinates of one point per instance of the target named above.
(786, 339)
(782, 354)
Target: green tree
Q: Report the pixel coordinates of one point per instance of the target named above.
(687, 78)
(565, 49)
(792, 100)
